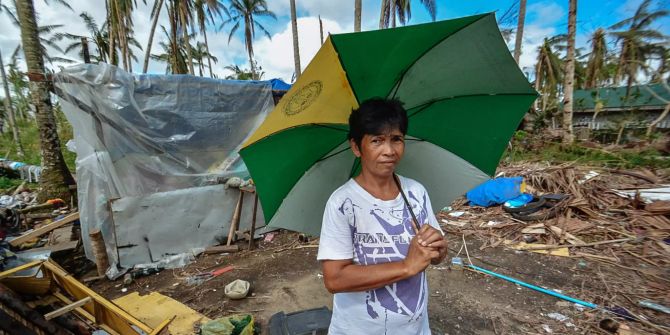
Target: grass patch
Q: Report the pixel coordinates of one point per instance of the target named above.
(523, 149)
(30, 138)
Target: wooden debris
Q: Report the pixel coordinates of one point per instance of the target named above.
(43, 230)
(99, 251)
(66, 309)
(624, 234)
(219, 249)
(658, 207)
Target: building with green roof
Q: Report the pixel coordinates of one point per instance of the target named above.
(609, 107)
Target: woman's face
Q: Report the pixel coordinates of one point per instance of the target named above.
(381, 153)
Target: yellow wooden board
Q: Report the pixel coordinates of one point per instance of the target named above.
(154, 308)
(564, 252)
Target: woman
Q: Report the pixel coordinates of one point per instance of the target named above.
(372, 256)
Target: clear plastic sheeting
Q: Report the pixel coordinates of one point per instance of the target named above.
(137, 135)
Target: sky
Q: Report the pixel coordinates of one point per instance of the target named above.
(544, 18)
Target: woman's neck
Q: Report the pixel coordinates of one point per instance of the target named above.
(381, 187)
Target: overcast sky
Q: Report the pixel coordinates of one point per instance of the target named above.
(545, 18)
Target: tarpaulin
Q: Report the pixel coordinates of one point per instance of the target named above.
(138, 134)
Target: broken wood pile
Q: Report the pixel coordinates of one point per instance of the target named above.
(596, 222)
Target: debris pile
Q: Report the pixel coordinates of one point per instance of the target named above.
(611, 218)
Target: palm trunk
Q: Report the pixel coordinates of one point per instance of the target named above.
(253, 68)
(568, 83)
(529, 118)
(381, 13)
(622, 61)
(189, 52)
(112, 40)
(538, 76)
(10, 110)
(357, 15)
(248, 38)
(84, 51)
(173, 33)
(209, 56)
(652, 125)
(321, 29)
(147, 54)
(519, 31)
(55, 176)
(122, 39)
(296, 48)
(392, 12)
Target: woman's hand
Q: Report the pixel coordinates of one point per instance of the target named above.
(429, 237)
(419, 257)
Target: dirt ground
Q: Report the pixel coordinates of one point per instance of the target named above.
(285, 276)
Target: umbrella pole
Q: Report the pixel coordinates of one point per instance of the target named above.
(415, 222)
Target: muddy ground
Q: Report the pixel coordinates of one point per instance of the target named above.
(285, 276)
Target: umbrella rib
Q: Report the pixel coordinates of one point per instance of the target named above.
(409, 66)
(330, 127)
(427, 104)
(334, 154)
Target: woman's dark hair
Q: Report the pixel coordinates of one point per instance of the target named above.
(376, 115)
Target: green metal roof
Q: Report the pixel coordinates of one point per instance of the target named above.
(615, 97)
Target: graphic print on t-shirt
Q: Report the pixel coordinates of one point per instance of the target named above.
(388, 244)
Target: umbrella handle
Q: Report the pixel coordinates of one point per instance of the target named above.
(415, 222)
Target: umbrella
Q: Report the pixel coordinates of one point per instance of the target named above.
(463, 92)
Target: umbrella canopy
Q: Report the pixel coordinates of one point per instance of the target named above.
(463, 92)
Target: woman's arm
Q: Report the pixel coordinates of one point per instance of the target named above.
(345, 276)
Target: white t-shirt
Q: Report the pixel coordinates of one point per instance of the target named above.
(358, 226)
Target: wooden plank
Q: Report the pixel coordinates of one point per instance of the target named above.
(85, 314)
(222, 248)
(66, 309)
(43, 230)
(236, 218)
(162, 326)
(20, 268)
(252, 231)
(103, 307)
(70, 245)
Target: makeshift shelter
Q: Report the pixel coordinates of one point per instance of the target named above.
(152, 153)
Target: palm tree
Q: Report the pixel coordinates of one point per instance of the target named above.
(296, 49)
(20, 88)
(55, 176)
(403, 10)
(568, 80)
(357, 15)
(96, 35)
(205, 11)
(120, 29)
(184, 11)
(243, 74)
(9, 109)
(155, 13)
(548, 75)
(519, 30)
(637, 41)
(200, 53)
(596, 69)
(245, 12)
(173, 54)
(663, 65)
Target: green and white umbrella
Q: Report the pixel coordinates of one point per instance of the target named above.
(464, 95)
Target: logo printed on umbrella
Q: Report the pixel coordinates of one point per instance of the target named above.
(303, 98)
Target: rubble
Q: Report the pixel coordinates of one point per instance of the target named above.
(615, 218)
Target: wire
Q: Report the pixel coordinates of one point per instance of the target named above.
(466, 249)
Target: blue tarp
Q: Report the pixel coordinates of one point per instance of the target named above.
(495, 191)
(279, 85)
